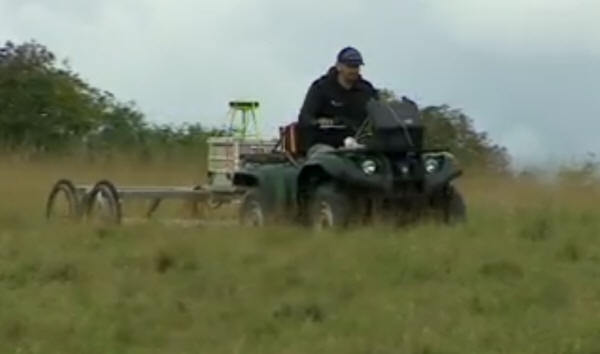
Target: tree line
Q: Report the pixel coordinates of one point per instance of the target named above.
(46, 107)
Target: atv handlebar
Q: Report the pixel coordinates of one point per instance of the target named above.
(333, 127)
(329, 124)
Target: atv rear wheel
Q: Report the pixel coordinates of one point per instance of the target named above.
(252, 213)
(329, 208)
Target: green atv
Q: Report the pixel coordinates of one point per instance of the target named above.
(381, 172)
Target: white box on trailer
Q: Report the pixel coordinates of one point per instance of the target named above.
(224, 155)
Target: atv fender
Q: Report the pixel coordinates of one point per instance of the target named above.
(246, 179)
(346, 170)
(275, 185)
(448, 171)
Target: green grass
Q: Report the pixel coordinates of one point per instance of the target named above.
(521, 277)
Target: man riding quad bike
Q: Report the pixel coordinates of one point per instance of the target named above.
(364, 161)
(381, 172)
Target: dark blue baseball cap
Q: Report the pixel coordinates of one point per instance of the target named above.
(350, 56)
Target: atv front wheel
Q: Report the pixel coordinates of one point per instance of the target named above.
(450, 203)
(329, 208)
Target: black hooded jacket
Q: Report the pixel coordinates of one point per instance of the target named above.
(326, 98)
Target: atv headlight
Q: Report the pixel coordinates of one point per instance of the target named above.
(431, 165)
(369, 167)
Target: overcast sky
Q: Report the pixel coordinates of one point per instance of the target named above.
(526, 71)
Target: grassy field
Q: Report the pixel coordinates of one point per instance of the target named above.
(523, 276)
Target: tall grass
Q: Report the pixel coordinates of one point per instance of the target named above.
(520, 277)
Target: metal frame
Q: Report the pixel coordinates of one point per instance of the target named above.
(83, 199)
(239, 127)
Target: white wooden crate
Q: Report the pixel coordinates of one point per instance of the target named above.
(224, 152)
